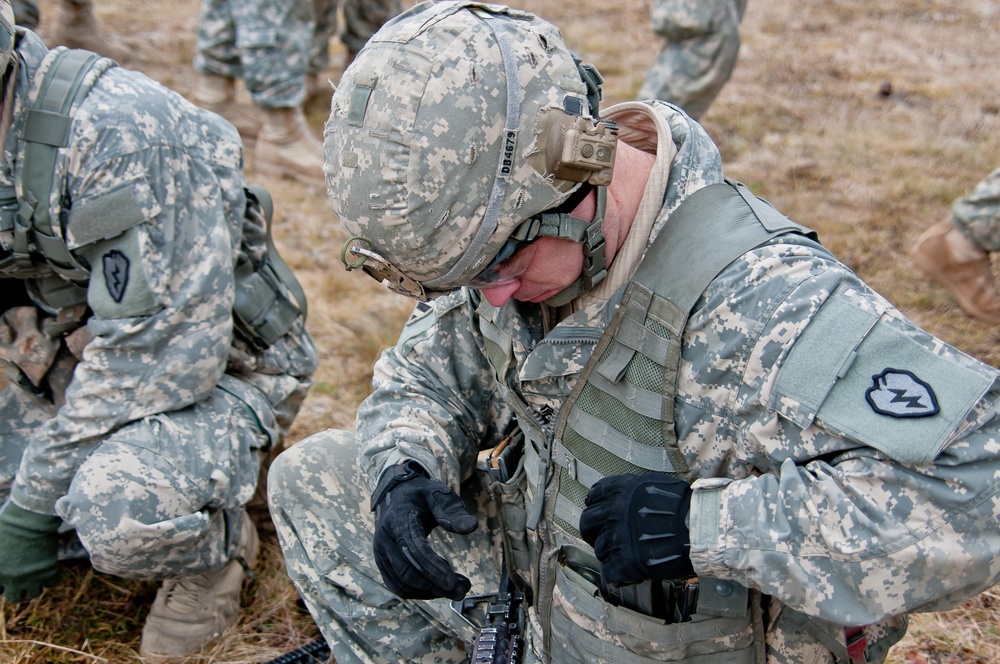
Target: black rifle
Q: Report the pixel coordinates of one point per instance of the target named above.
(314, 652)
(500, 639)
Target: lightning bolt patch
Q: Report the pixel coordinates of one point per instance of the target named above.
(116, 274)
(899, 393)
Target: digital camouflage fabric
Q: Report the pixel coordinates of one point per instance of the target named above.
(843, 460)
(266, 43)
(701, 42)
(148, 437)
(978, 214)
(448, 138)
(362, 18)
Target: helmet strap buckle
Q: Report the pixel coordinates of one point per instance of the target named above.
(594, 259)
(357, 253)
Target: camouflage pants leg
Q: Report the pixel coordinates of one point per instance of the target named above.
(26, 13)
(321, 512)
(702, 41)
(162, 497)
(363, 18)
(325, 14)
(978, 214)
(264, 42)
(21, 414)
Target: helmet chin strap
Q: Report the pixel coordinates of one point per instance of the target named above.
(589, 234)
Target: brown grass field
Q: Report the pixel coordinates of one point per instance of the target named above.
(861, 119)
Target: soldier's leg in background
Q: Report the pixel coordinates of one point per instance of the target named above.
(321, 512)
(218, 66)
(26, 13)
(325, 26)
(275, 37)
(216, 51)
(362, 19)
(701, 45)
(78, 27)
(20, 414)
(956, 252)
(163, 497)
(977, 215)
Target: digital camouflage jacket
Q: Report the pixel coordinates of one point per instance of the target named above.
(843, 460)
(150, 195)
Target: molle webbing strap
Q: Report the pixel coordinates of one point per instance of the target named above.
(630, 381)
(714, 226)
(620, 416)
(710, 229)
(46, 130)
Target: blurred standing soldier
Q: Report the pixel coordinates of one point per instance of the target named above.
(77, 27)
(266, 43)
(27, 14)
(701, 45)
(143, 386)
(956, 253)
(716, 443)
(362, 18)
(325, 17)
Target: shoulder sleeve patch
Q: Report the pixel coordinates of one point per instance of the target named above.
(861, 377)
(118, 287)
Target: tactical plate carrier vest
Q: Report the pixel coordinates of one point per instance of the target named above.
(619, 418)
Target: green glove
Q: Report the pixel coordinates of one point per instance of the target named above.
(28, 552)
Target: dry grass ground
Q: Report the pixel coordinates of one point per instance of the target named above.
(863, 120)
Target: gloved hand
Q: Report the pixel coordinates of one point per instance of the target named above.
(636, 524)
(408, 505)
(28, 552)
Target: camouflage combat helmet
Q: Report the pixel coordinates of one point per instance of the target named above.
(461, 128)
(6, 34)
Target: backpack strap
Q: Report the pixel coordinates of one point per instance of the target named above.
(46, 129)
(712, 227)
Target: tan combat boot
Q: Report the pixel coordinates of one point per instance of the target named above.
(970, 279)
(78, 28)
(191, 612)
(286, 146)
(218, 94)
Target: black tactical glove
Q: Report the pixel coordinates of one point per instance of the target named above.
(636, 524)
(408, 505)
